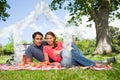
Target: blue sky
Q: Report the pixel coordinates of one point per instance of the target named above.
(22, 8)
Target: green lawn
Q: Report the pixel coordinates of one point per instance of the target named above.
(67, 74)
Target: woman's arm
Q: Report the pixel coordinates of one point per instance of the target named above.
(57, 52)
(46, 57)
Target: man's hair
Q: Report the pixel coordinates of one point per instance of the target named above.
(35, 33)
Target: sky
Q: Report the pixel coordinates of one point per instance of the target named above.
(21, 14)
(19, 10)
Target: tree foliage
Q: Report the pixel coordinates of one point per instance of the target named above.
(3, 10)
(86, 46)
(8, 48)
(79, 8)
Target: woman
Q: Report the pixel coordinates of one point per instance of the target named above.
(54, 50)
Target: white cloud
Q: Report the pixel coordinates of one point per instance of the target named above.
(80, 32)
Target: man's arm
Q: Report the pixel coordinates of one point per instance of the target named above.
(28, 60)
(28, 55)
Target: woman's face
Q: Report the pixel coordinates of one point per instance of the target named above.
(50, 39)
(38, 40)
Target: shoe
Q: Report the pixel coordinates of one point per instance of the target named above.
(112, 60)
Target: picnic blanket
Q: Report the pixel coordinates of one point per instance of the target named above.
(29, 67)
(46, 67)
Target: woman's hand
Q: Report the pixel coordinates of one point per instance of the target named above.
(56, 53)
(55, 64)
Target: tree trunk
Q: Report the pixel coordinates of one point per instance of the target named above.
(100, 16)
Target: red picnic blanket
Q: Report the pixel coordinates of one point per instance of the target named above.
(46, 67)
(29, 67)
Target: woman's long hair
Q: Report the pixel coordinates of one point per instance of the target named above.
(52, 34)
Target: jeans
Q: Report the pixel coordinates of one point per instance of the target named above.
(77, 58)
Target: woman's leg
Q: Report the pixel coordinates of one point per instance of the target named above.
(76, 49)
(79, 59)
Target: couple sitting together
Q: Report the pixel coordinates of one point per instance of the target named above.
(49, 52)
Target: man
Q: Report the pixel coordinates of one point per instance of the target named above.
(36, 49)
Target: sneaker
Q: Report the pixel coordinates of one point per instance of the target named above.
(112, 60)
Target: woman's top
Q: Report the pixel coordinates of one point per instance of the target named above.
(50, 51)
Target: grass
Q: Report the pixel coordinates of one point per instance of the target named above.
(3, 59)
(68, 74)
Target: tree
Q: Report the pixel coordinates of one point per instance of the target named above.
(3, 8)
(9, 48)
(98, 11)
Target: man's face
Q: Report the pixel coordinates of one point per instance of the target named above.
(37, 40)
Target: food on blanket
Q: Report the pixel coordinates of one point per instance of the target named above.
(33, 64)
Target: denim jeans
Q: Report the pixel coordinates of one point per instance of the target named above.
(78, 58)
